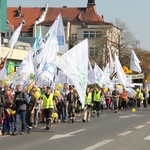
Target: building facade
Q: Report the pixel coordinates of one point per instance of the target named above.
(3, 15)
(79, 23)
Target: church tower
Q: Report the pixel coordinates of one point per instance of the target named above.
(91, 2)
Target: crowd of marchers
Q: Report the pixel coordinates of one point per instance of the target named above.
(35, 105)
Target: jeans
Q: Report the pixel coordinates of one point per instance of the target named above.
(48, 114)
(115, 103)
(21, 113)
(87, 112)
(7, 124)
(36, 117)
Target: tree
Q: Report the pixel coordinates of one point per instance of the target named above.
(144, 57)
(128, 42)
(117, 38)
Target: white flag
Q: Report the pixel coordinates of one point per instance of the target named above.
(135, 63)
(62, 78)
(42, 49)
(91, 76)
(15, 36)
(3, 73)
(74, 63)
(130, 91)
(105, 76)
(47, 68)
(38, 39)
(24, 71)
(60, 33)
(41, 80)
(120, 72)
(98, 74)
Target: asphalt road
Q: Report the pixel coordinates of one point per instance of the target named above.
(110, 131)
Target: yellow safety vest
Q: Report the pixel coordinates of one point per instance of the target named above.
(97, 97)
(48, 102)
(137, 94)
(88, 99)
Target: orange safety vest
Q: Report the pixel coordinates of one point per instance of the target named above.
(124, 96)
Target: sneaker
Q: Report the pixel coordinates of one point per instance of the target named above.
(58, 121)
(73, 120)
(29, 131)
(9, 133)
(83, 120)
(115, 111)
(22, 133)
(93, 115)
(69, 121)
(47, 128)
(4, 133)
(15, 133)
(29, 127)
(65, 121)
(35, 126)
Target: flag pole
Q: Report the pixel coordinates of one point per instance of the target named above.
(11, 52)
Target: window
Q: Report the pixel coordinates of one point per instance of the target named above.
(74, 36)
(91, 34)
(98, 33)
(7, 34)
(23, 22)
(93, 52)
(86, 34)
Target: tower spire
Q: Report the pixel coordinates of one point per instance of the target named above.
(91, 2)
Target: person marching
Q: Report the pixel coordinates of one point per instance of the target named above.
(138, 97)
(124, 99)
(30, 110)
(88, 106)
(97, 101)
(107, 96)
(59, 104)
(48, 105)
(72, 105)
(115, 98)
(44, 91)
(6, 113)
(64, 94)
(20, 105)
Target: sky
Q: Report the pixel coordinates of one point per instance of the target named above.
(134, 13)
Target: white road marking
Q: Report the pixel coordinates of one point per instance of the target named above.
(124, 133)
(137, 115)
(148, 122)
(4, 136)
(132, 115)
(147, 138)
(76, 131)
(99, 144)
(124, 117)
(140, 126)
(45, 126)
(58, 136)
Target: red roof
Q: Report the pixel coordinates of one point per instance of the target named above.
(29, 15)
(86, 15)
(74, 15)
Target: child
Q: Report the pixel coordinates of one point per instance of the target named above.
(6, 115)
